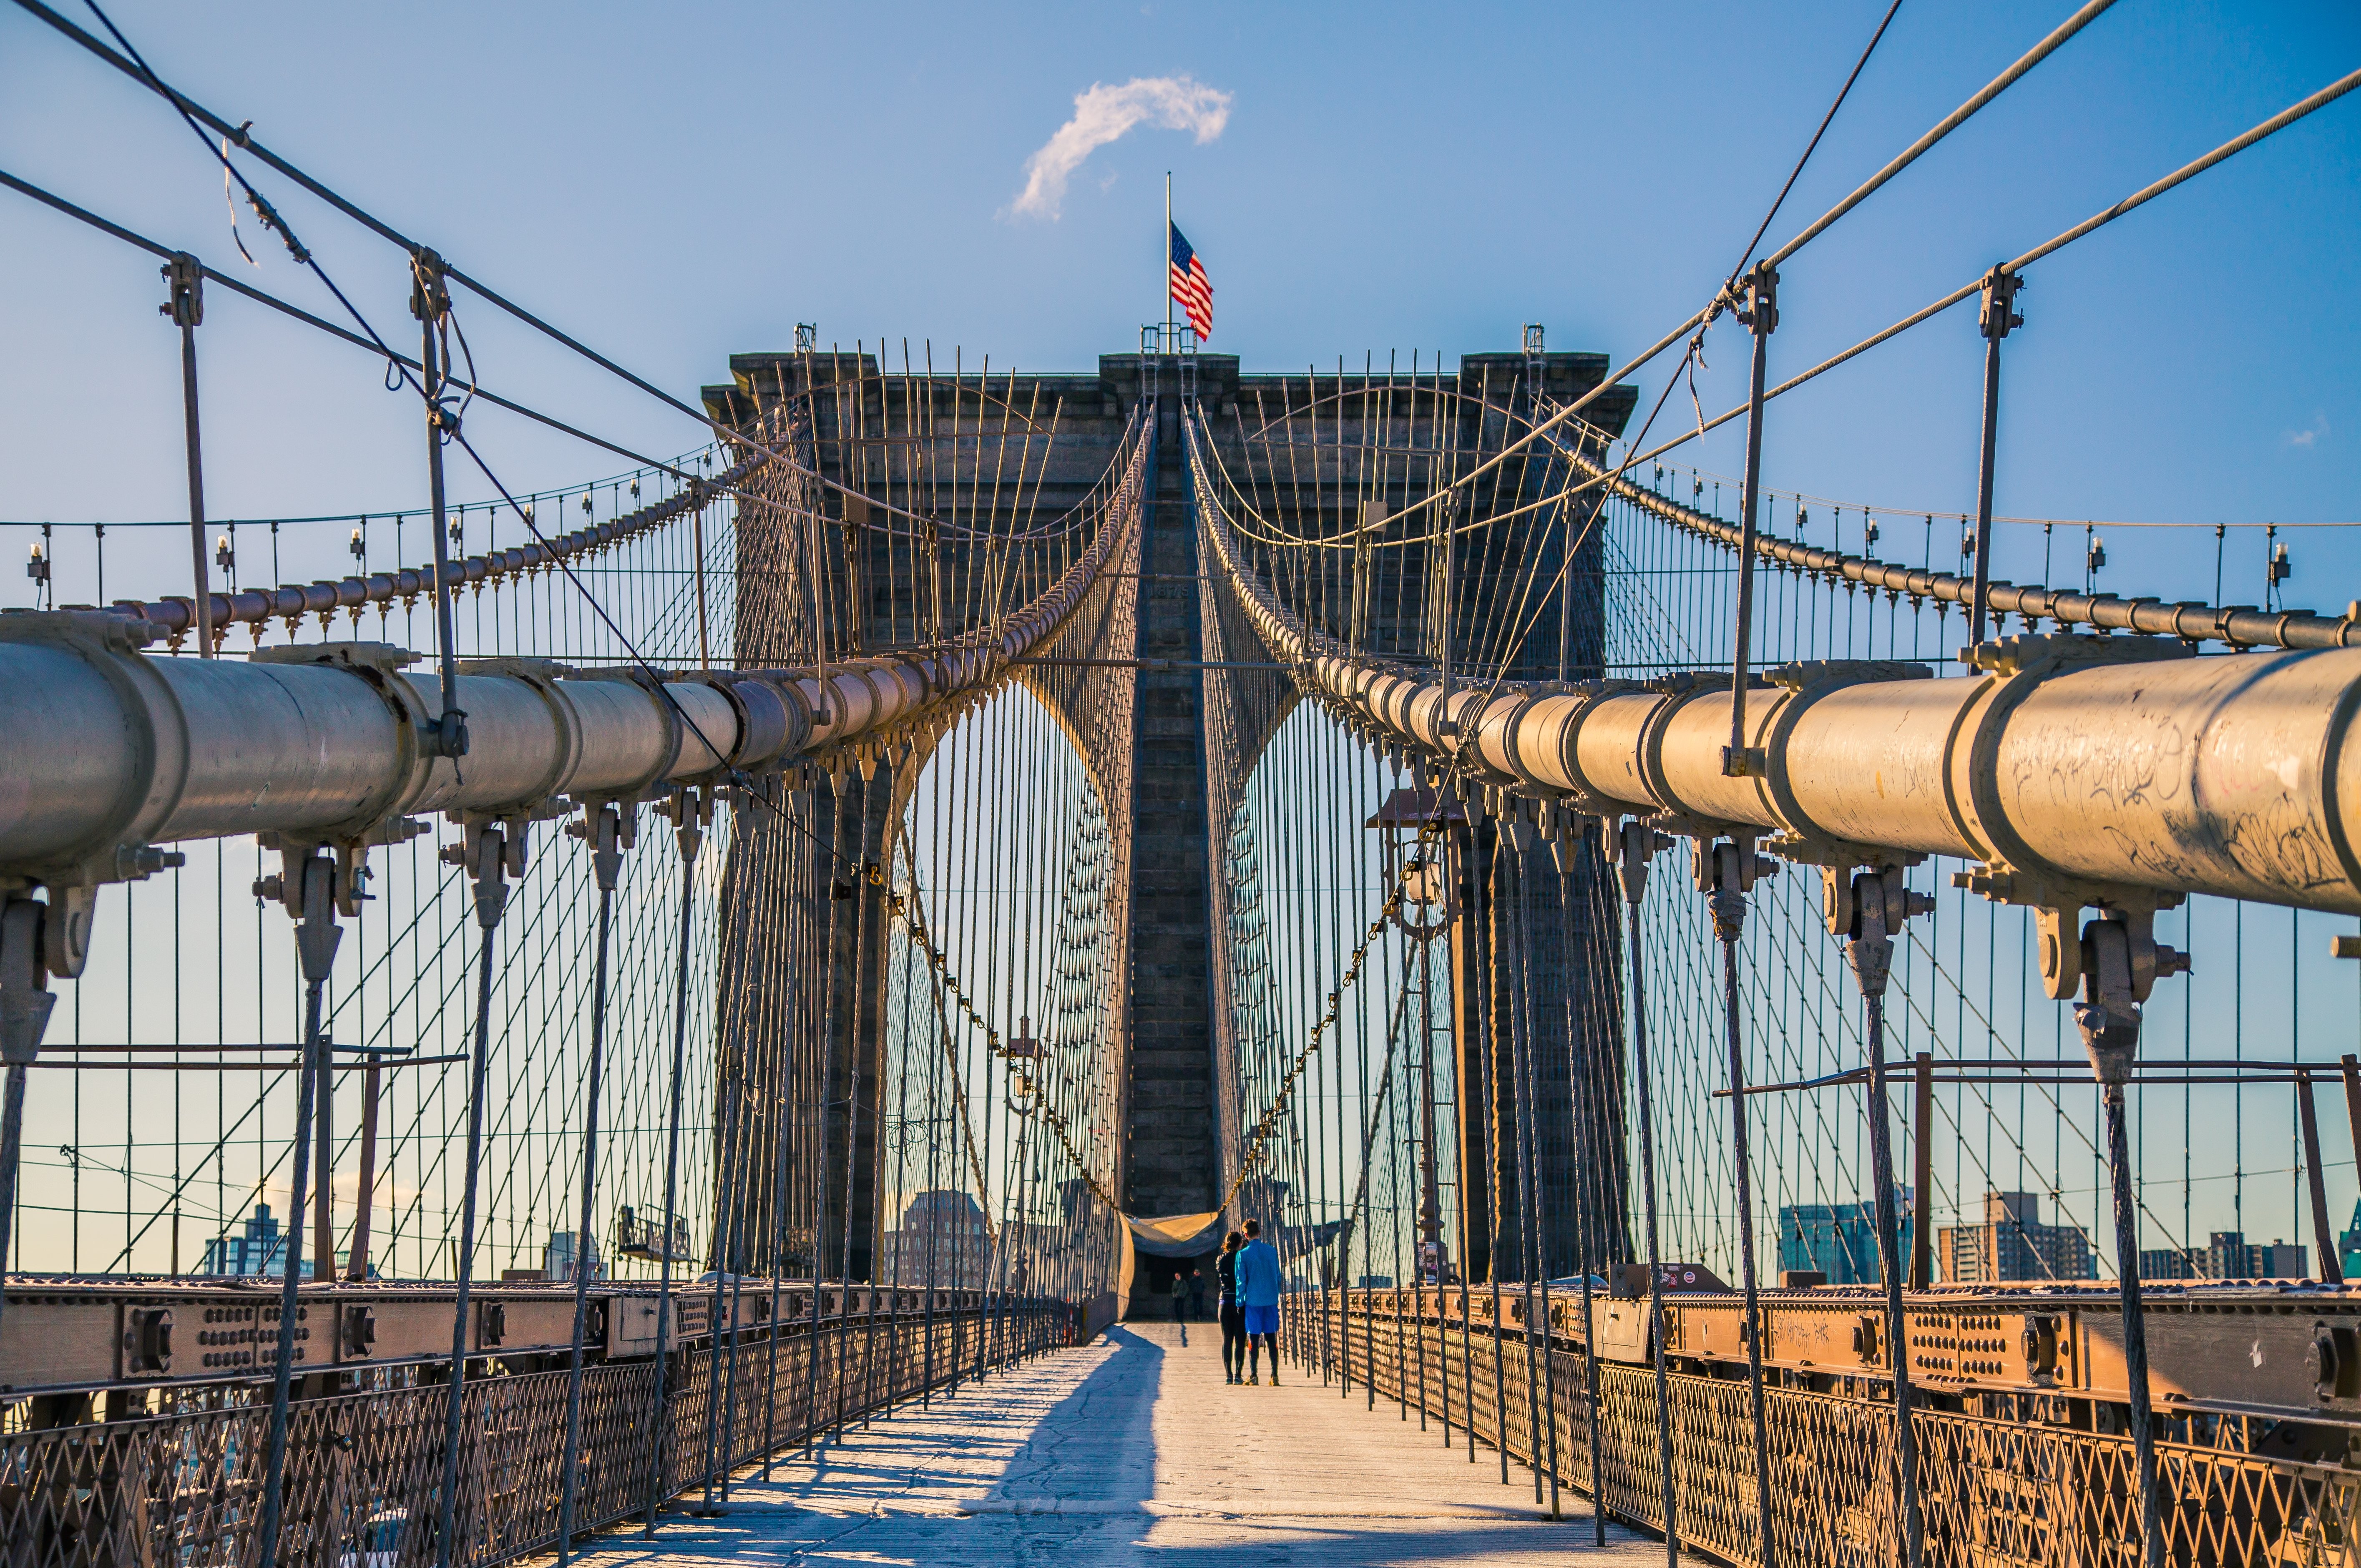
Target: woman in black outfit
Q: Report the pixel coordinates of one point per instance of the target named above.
(1234, 1318)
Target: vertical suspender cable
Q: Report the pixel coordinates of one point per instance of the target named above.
(1590, 1207)
(1486, 876)
(780, 1095)
(1639, 843)
(682, 808)
(316, 939)
(492, 859)
(1731, 872)
(826, 1011)
(2109, 1022)
(1881, 905)
(1520, 1061)
(604, 829)
(1545, 1453)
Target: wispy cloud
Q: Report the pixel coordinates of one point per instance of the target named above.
(2310, 437)
(1107, 114)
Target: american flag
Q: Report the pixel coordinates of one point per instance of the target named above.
(1191, 291)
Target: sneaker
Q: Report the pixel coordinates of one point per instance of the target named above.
(1255, 1378)
(1274, 1379)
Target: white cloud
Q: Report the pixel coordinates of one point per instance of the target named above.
(2310, 437)
(1107, 114)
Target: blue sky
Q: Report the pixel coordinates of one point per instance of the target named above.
(675, 184)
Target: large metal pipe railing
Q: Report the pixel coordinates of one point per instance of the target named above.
(2073, 768)
(110, 750)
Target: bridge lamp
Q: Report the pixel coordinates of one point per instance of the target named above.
(1024, 1093)
(1425, 871)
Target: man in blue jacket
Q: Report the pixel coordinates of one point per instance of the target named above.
(1259, 1282)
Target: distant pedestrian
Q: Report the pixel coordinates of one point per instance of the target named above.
(1180, 1297)
(1259, 1282)
(1196, 1296)
(1234, 1318)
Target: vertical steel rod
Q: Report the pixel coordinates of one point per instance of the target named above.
(372, 1090)
(430, 302)
(323, 1161)
(1922, 1197)
(1762, 315)
(186, 308)
(2331, 1271)
(1999, 315)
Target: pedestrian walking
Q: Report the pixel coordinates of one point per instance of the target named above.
(1234, 1318)
(1179, 1296)
(1258, 1283)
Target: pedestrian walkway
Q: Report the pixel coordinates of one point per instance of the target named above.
(1132, 1450)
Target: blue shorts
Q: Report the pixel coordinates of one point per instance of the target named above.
(1262, 1319)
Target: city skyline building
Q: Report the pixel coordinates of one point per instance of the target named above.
(2012, 1243)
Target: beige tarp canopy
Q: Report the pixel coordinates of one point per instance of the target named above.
(1174, 1235)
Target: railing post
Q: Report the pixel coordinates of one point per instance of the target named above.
(2331, 1270)
(1922, 1197)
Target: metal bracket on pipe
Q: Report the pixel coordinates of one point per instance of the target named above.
(350, 874)
(1726, 870)
(1636, 844)
(315, 889)
(690, 809)
(2056, 906)
(610, 827)
(1867, 908)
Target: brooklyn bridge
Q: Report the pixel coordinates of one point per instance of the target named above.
(740, 1029)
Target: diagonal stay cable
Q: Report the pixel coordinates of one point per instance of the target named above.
(1949, 123)
(2099, 220)
(239, 135)
(192, 111)
(154, 248)
(1809, 147)
(271, 219)
(1613, 481)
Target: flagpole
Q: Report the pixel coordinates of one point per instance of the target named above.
(1166, 346)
